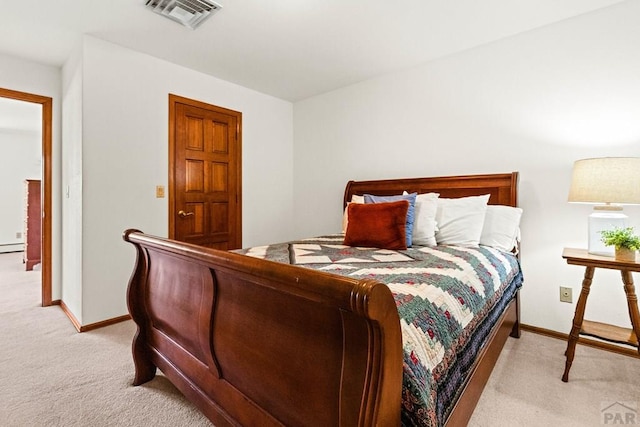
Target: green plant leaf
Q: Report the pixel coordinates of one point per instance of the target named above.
(621, 238)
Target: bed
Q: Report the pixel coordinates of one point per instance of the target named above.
(255, 341)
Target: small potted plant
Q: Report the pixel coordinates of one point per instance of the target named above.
(625, 242)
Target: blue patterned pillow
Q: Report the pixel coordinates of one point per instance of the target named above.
(411, 198)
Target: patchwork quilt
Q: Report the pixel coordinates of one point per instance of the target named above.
(448, 298)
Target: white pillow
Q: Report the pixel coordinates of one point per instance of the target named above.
(424, 223)
(501, 227)
(460, 221)
(345, 216)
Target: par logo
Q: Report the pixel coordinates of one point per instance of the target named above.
(619, 413)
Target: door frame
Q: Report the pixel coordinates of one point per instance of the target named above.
(173, 101)
(47, 214)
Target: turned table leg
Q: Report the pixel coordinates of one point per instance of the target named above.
(632, 303)
(577, 321)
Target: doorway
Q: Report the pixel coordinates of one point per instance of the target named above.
(46, 198)
(205, 177)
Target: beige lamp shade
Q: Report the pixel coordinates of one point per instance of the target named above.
(606, 180)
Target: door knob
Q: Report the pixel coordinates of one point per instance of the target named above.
(184, 214)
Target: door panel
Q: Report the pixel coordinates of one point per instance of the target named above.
(193, 225)
(195, 133)
(206, 174)
(220, 138)
(219, 174)
(219, 217)
(194, 176)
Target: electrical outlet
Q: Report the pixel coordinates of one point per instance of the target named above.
(566, 294)
(18, 235)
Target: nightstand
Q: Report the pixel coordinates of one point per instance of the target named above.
(603, 331)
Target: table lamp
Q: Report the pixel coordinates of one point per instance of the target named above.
(607, 182)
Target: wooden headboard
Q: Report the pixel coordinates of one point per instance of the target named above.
(502, 187)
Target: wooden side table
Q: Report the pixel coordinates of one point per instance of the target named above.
(603, 331)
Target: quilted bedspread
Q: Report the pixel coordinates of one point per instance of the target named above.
(448, 298)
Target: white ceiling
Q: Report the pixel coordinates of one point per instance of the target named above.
(291, 49)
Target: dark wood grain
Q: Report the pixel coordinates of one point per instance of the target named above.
(264, 343)
(502, 188)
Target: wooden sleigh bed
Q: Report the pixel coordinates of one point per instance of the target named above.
(252, 342)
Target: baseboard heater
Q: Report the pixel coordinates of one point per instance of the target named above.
(11, 247)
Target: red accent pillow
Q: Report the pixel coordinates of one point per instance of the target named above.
(377, 225)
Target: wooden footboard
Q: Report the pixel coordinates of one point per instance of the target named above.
(257, 343)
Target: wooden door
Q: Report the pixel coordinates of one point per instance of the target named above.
(205, 174)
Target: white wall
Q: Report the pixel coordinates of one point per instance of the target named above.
(38, 79)
(20, 159)
(533, 103)
(72, 224)
(125, 155)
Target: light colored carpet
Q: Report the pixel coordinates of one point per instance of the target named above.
(50, 375)
(525, 388)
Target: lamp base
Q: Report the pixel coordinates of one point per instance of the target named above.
(604, 219)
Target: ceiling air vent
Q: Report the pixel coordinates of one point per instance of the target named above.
(190, 13)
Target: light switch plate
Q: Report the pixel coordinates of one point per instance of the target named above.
(159, 191)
